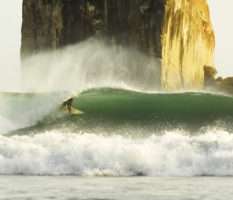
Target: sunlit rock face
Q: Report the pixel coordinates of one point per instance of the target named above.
(187, 44)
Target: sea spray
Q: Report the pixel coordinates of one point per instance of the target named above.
(6, 125)
(169, 153)
(19, 110)
(92, 63)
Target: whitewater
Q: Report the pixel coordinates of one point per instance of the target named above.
(170, 154)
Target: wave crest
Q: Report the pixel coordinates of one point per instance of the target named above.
(170, 154)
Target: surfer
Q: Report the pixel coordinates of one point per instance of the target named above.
(68, 104)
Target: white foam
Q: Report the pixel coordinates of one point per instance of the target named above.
(171, 154)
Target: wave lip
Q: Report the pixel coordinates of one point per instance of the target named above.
(170, 154)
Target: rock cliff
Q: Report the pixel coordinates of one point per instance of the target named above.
(50, 24)
(188, 44)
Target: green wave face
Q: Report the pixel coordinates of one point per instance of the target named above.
(129, 105)
(116, 111)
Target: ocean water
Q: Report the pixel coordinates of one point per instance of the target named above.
(121, 188)
(124, 145)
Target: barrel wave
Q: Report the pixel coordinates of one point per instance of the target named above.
(117, 133)
(161, 106)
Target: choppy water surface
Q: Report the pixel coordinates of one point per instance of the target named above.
(170, 154)
(138, 188)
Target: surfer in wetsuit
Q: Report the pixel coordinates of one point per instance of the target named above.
(68, 104)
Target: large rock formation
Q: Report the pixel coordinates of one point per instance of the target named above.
(188, 44)
(187, 37)
(49, 24)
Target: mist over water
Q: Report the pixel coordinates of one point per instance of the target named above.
(20, 110)
(91, 64)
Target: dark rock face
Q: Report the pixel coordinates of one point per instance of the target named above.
(50, 24)
(42, 25)
(225, 84)
(219, 83)
(209, 77)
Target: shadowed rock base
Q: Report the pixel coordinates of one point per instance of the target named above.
(217, 83)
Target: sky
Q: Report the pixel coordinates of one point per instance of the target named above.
(10, 36)
(222, 17)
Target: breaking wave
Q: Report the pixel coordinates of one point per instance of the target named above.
(118, 134)
(172, 153)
